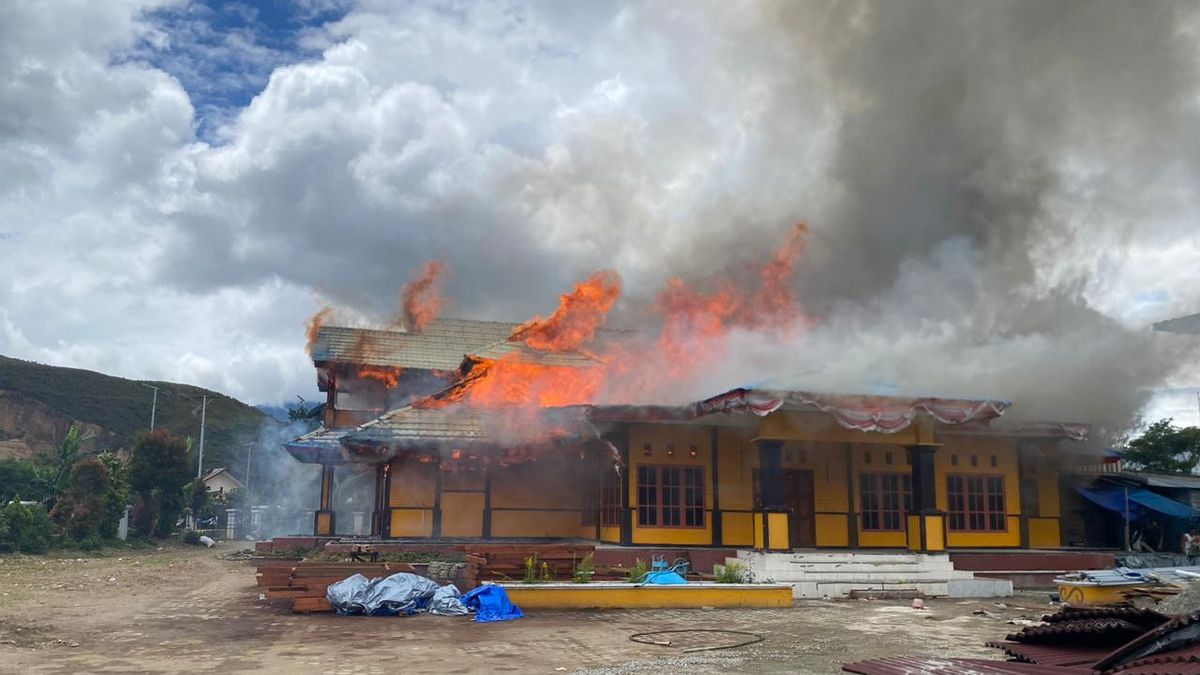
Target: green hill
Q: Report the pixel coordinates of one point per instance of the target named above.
(121, 408)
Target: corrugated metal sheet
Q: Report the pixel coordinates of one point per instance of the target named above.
(1113, 631)
(1180, 633)
(1146, 618)
(1053, 654)
(1186, 660)
(933, 665)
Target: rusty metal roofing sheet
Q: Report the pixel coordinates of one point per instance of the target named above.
(1186, 660)
(1147, 618)
(1114, 631)
(1177, 634)
(936, 665)
(1053, 655)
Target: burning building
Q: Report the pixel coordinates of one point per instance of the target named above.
(484, 430)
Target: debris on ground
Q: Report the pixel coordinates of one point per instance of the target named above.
(1079, 640)
(1186, 601)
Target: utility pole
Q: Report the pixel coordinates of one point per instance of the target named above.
(203, 412)
(249, 454)
(154, 405)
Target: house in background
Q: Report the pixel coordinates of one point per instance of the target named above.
(219, 480)
(756, 469)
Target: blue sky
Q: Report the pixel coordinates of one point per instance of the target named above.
(224, 52)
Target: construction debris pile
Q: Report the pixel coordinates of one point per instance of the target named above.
(1076, 640)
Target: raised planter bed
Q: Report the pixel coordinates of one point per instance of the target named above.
(620, 595)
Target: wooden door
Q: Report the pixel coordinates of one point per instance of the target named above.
(799, 498)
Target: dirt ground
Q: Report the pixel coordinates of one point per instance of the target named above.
(184, 609)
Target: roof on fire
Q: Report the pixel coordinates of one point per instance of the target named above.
(442, 346)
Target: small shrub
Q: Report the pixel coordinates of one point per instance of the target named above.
(639, 570)
(191, 537)
(733, 573)
(583, 571)
(25, 528)
(547, 574)
(92, 542)
(531, 570)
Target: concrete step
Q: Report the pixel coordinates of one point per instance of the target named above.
(820, 574)
(831, 557)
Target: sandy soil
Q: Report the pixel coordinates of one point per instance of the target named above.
(183, 609)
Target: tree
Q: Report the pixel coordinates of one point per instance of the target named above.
(310, 417)
(1165, 448)
(116, 497)
(20, 477)
(158, 472)
(24, 528)
(79, 510)
(54, 475)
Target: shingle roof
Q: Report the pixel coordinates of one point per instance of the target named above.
(411, 426)
(441, 347)
(421, 424)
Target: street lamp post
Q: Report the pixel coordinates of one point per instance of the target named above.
(203, 412)
(153, 405)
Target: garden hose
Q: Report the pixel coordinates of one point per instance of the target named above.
(647, 639)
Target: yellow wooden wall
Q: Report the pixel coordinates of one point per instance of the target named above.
(982, 449)
(684, 440)
(546, 498)
(541, 499)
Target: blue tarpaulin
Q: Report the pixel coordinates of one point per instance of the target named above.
(1113, 499)
(491, 603)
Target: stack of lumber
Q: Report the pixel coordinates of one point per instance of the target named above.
(304, 583)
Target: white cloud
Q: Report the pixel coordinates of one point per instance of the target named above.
(529, 144)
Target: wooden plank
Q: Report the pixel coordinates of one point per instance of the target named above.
(310, 605)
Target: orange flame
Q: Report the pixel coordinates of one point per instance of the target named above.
(313, 326)
(420, 300)
(579, 315)
(695, 326)
(389, 376)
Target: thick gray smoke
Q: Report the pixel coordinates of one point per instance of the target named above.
(990, 185)
(992, 162)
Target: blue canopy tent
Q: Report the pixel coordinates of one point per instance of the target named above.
(1113, 499)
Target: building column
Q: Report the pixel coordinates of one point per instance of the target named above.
(436, 531)
(926, 524)
(621, 440)
(487, 501)
(717, 533)
(323, 525)
(380, 519)
(773, 525)
(851, 503)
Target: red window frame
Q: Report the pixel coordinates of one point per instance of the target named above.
(671, 496)
(977, 502)
(610, 499)
(884, 499)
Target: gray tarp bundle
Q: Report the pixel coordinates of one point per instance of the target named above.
(399, 593)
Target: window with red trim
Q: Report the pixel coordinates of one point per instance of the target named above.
(670, 496)
(976, 503)
(884, 499)
(610, 499)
